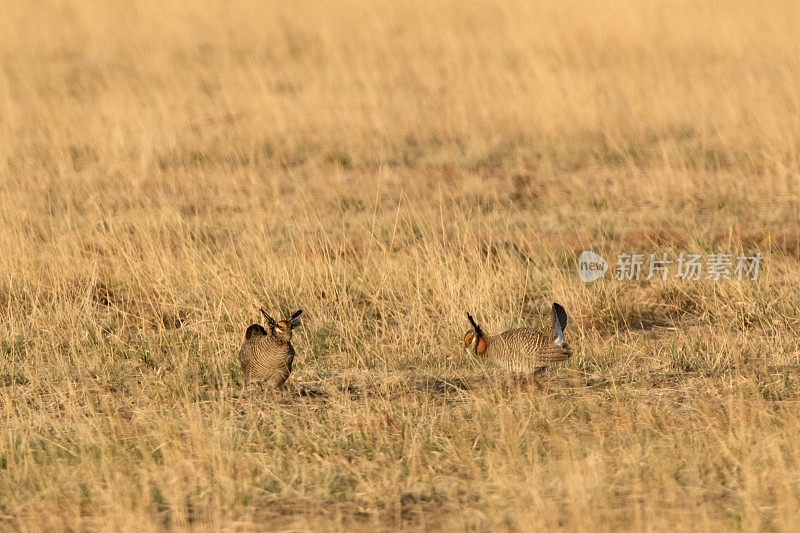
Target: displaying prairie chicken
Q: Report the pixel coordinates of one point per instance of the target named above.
(267, 354)
(523, 350)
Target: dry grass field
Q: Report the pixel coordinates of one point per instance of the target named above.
(166, 168)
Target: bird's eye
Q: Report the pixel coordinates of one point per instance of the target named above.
(280, 326)
(468, 338)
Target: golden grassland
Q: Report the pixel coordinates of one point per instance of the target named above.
(168, 167)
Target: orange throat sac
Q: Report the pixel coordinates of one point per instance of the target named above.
(481, 348)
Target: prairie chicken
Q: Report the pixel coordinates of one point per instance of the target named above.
(267, 355)
(523, 350)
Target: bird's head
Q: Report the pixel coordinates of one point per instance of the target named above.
(474, 339)
(282, 329)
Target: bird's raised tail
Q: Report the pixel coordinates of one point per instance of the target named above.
(559, 323)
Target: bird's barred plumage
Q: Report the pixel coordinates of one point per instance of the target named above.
(267, 354)
(523, 350)
(263, 357)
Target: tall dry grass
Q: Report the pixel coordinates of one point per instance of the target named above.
(168, 167)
